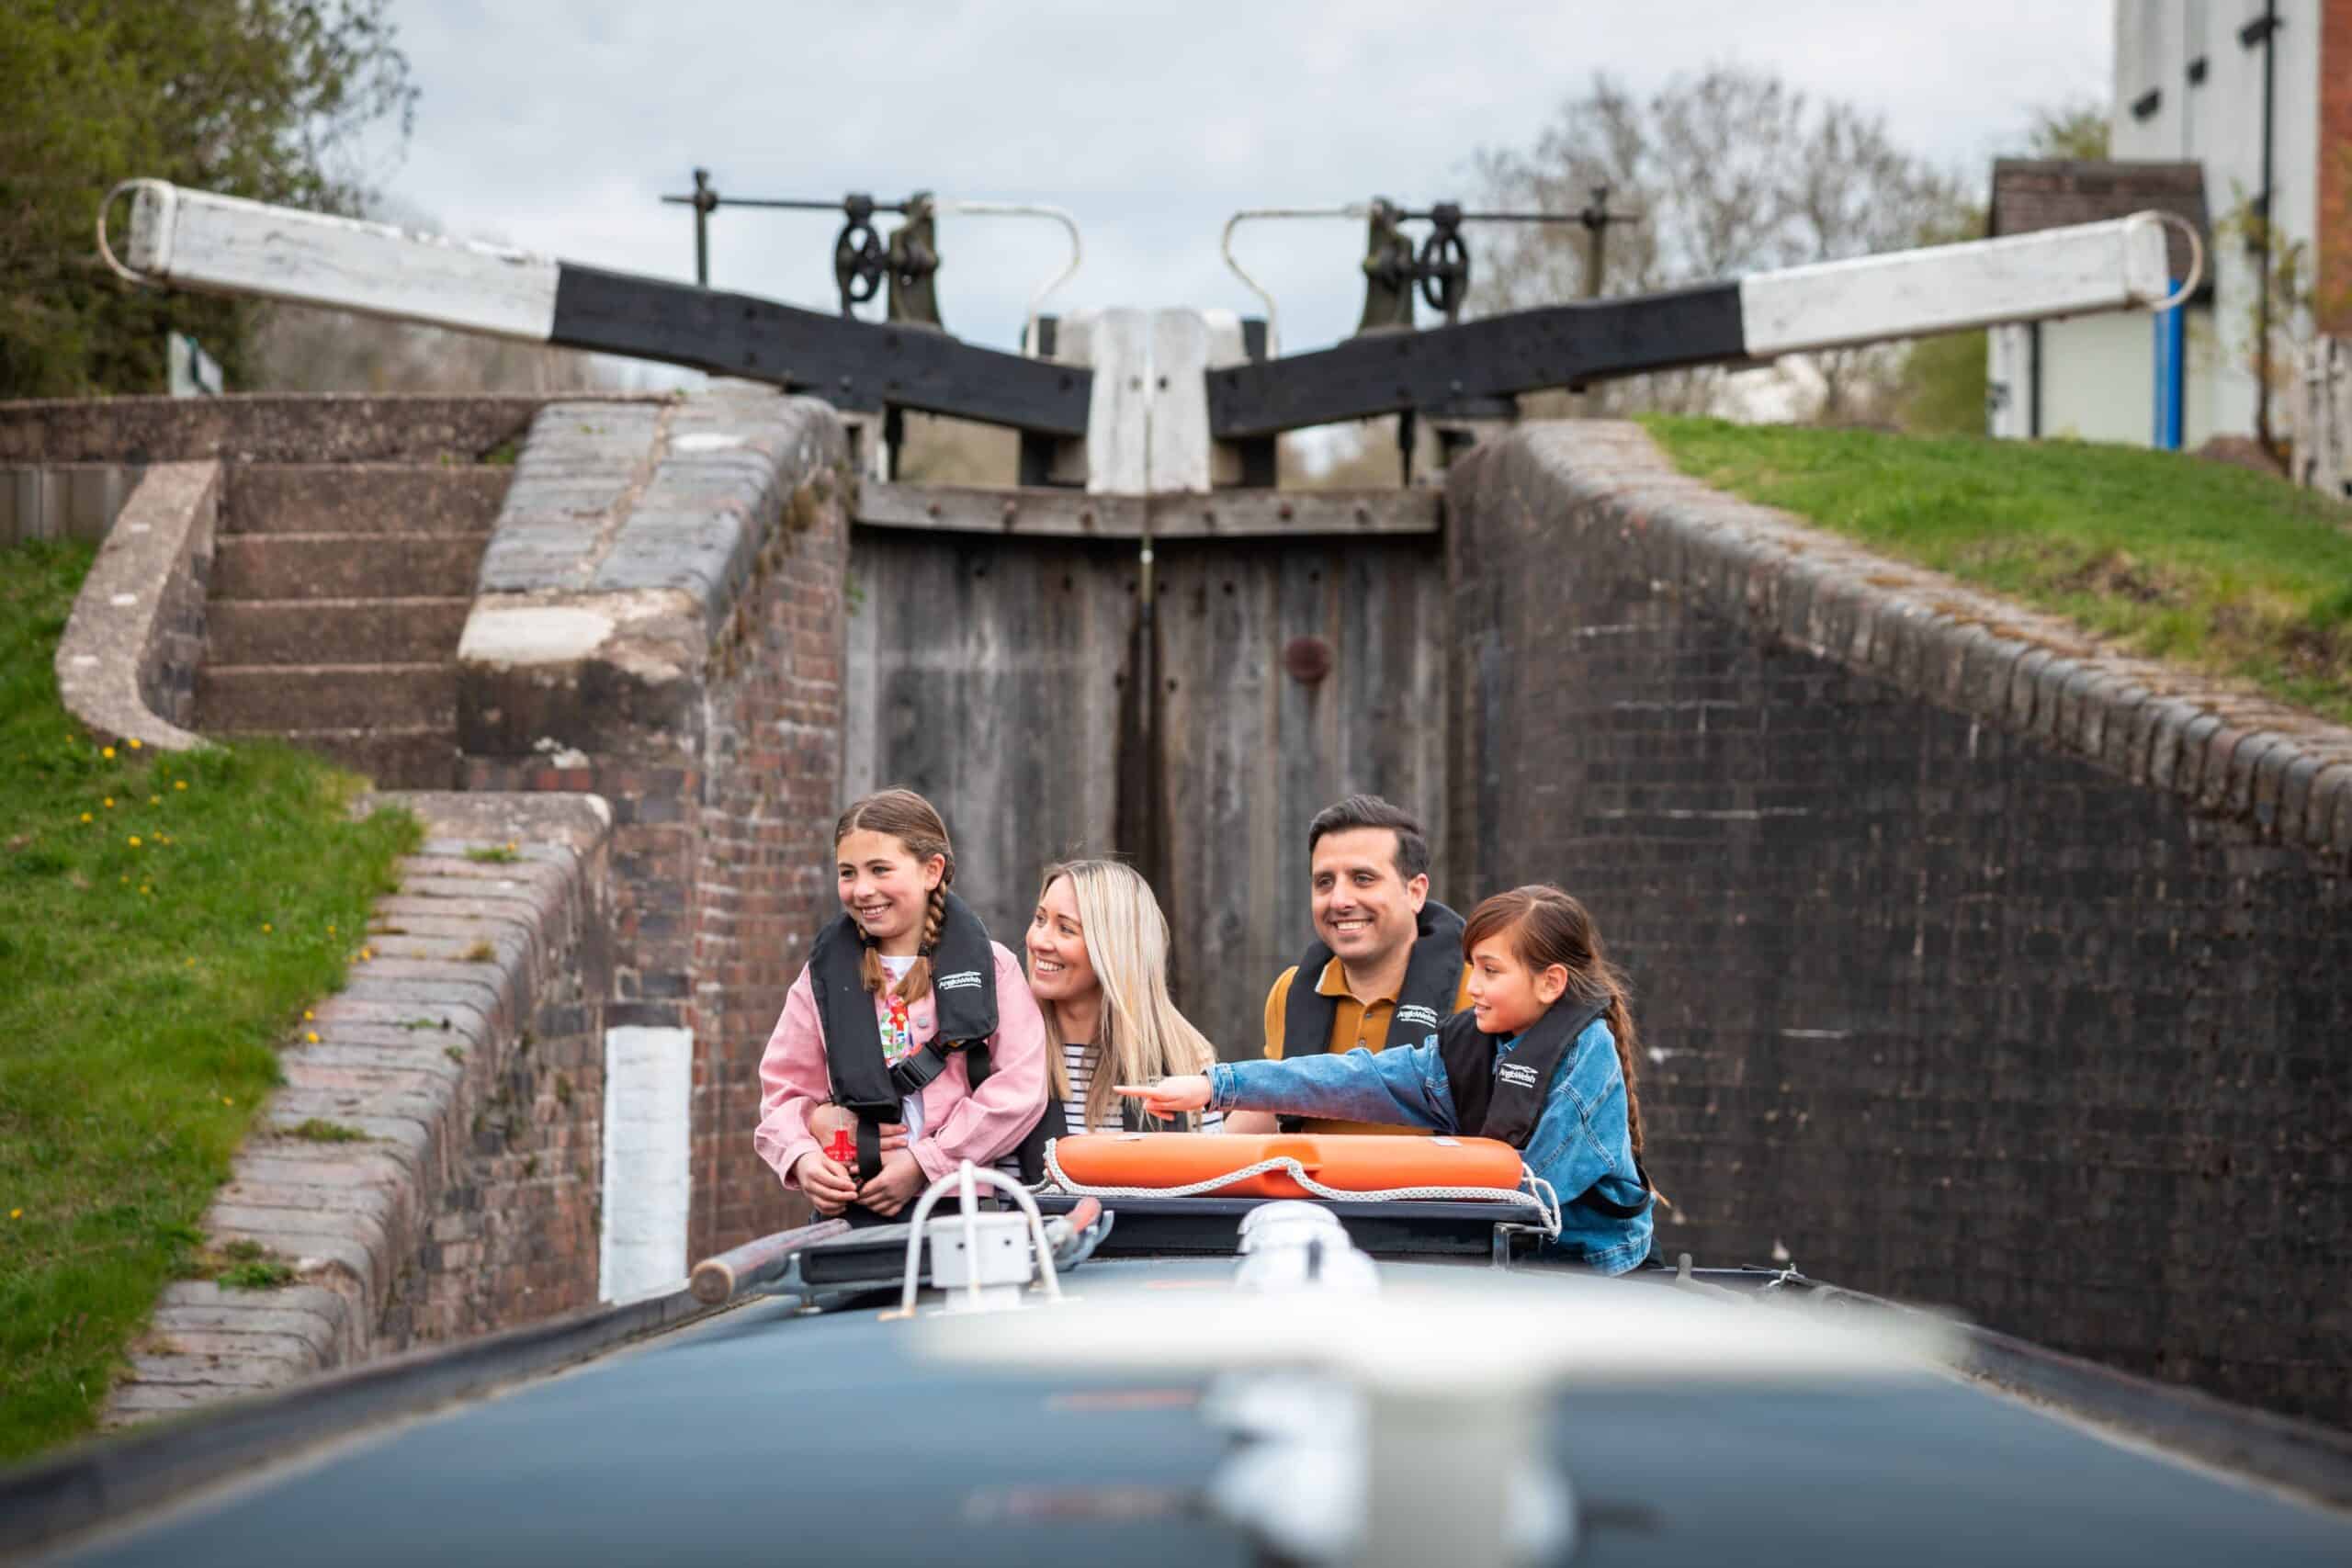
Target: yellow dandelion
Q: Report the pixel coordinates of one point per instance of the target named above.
(126, 881)
(179, 784)
(155, 800)
(307, 1013)
(227, 1100)
(266, 927)
(311, 1034)
(87, 818)
(144, 890)
(108, 803)
(191, 963)
(107, 753)
(134, 743)
(134, 840)
(330, 931)
(16, 1213)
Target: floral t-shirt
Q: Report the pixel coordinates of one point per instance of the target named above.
(899, 1039)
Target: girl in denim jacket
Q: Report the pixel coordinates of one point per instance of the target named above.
(1543, 1060)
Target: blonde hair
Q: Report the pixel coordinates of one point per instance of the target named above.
(1141, 1036)
(914, 822)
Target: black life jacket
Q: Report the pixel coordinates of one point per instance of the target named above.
(963, 988)
(1432, 979)
(1503, 1097)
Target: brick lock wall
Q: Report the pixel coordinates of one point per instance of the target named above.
(711, 725)
(763, 882)
(513, 1232)
(2334, 239)
(1943, 1011)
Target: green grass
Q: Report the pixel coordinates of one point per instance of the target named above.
(2231, 572)
(162, 921)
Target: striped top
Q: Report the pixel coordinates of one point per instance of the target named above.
(1077, 1059)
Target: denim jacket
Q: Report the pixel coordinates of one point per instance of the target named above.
(1580, 1139)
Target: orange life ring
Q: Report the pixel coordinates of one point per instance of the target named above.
(1351, 1162)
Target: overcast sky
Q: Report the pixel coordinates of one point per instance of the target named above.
(557, 126)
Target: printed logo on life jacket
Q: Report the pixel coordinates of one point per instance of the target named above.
(962, 980)
(1518, 1075)
(1414, 1012)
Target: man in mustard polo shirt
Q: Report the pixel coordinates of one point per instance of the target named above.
(1387, 955)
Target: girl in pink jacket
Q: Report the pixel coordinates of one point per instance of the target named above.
(909, 1030)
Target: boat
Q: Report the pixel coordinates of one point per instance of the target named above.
(1060, 1377)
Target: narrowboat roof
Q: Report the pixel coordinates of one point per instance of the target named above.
(780, 1429)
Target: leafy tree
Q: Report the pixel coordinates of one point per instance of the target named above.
(2077, 129)
(266, 100)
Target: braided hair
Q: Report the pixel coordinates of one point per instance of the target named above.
(915, 823)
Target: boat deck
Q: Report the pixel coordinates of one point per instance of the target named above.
(767, 1434)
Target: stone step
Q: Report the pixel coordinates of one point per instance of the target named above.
(278, 699)
(420, 758)
(363, 498)
(345, 566)
(332, 631)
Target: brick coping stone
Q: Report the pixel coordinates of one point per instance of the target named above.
(105, 659)
(630, 532)
(2223, 749)
(350, 1215)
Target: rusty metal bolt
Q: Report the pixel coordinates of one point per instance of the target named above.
(1306, 659)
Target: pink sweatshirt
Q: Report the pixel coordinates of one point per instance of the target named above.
(959, 1122)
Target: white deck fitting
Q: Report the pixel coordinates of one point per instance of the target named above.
(224, 245)
(649, 1077)
(2114, 265)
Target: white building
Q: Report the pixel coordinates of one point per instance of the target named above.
(2255, 98)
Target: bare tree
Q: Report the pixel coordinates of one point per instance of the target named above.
(1734, 172)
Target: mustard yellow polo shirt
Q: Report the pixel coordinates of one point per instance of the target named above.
(1353, 1023)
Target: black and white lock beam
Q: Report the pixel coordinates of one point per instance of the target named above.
(2113, 266)
(223, 244)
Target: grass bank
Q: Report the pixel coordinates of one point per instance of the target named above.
(162, 921)
(2233, 572)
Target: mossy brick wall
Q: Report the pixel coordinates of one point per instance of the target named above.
(1968, 970)
(514, 1232)
(457, 1074)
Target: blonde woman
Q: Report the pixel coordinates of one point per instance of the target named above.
(1097, 966)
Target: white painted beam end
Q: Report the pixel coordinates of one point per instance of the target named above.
(2119, 264)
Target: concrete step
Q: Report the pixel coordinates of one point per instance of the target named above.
(282, 697)
(345, 566)
(364, 498)
(417, 758)
(332, 631)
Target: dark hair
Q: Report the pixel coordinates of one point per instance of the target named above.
(1370, 811)
(1548, 926)
(914, 822)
